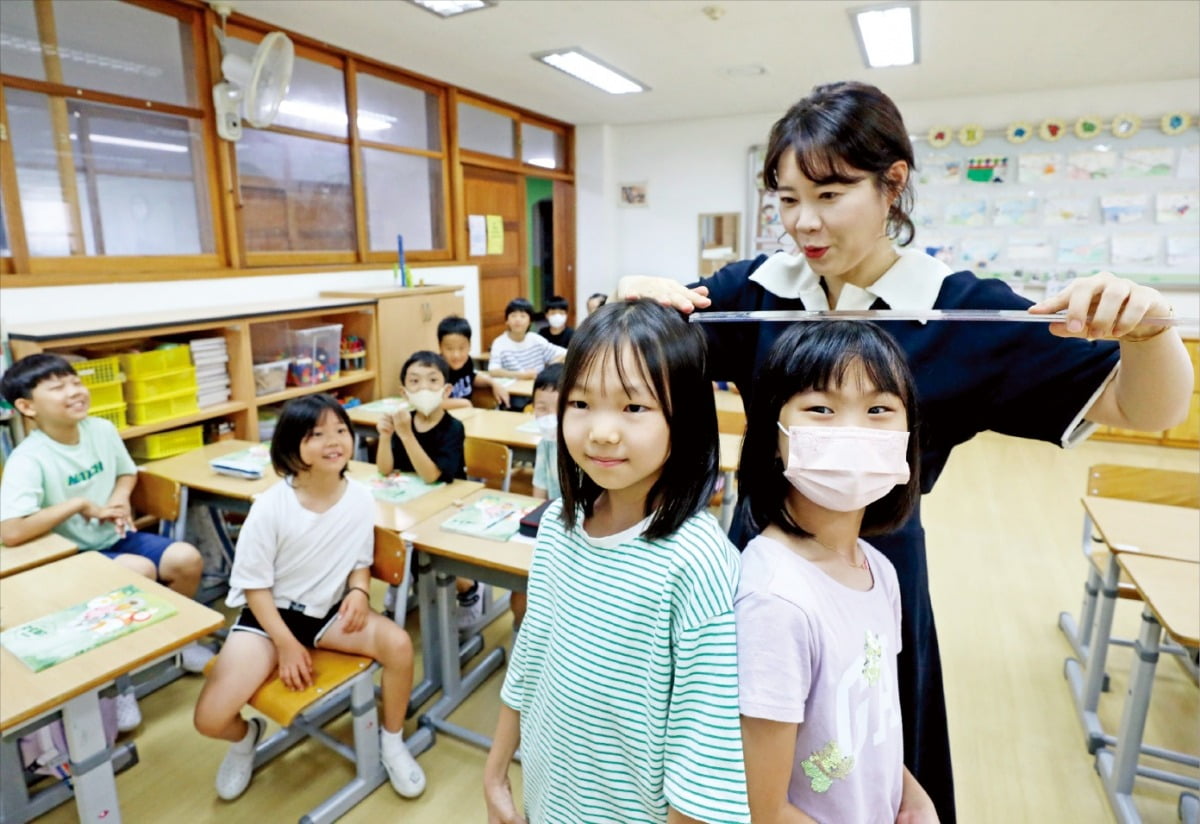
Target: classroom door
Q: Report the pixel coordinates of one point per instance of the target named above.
(501, 276)
(564, 247)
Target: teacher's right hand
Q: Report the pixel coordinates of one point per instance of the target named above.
(664, 290)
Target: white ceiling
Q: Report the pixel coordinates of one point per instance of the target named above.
(967, 47)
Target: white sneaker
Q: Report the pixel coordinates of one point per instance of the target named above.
(233, 776)
(407, 777)
(195, 657)
(469, 608)
(129, 717)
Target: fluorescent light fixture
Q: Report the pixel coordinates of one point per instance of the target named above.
(449, 8)
(887, 35)
(368, 121)
(544, 162)
(131, 143)
(580, 65)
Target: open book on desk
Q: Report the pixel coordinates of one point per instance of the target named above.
(488, 516)
(245, 463)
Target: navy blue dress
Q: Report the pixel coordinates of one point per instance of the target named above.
(1012, 378)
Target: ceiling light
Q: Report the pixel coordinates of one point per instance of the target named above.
(583, 66)
(544, 162)
(132, 143)
(449, 8)
(887, 35)
(368, 121)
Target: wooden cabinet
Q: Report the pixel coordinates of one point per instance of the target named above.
(1187, 434)
(247, 330)
(406, 321)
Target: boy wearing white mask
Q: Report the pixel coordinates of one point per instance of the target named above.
(429, 442)
(830, 454)
(557, 331)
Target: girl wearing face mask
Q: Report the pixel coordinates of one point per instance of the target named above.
(830, 454)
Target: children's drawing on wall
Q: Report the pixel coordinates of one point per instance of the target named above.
(633, 194)
(1090, 248)
(1153, 161)
(1029, 248)
(1142, 248)
(940, 247)
(1039, 167)
(1016, 211)
(979, 252)
(939, 170)
(1177, 207)
(1188, 167)
(966, 213)
(991, 169)
(1124, 208)
(1183, 250)
(769, 235)
(1091, 165)
(1067, 210)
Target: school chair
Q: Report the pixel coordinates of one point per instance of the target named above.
(155, 502)
(341, 681)
(1131, 483)
(489, 462)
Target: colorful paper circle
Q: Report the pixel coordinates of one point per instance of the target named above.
(1019, 132)
(1126, 125)
(1052, 129)
(1175, 122)
(940, 136)
(1087, 128)
(971, 134)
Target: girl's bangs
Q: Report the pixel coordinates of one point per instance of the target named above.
(597, 357)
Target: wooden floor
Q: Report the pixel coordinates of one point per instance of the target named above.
(1003, 528)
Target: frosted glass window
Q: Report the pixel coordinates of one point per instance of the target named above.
(296, 193)
(482, 130)
(102, 45)
(135, 174)
(397, 114)
(541, 147)
(404, 197)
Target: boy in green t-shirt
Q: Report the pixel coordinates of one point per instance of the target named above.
(73, 476)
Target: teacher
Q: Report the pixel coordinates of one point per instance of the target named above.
(841, 163)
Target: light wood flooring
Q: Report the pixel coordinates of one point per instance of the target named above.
(1004, 528)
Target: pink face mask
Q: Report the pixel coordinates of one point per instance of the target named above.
(844, 468)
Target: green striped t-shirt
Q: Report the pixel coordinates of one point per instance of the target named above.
(625, 675)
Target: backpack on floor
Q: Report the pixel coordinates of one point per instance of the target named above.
(44, 751)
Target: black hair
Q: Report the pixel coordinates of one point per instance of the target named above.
(603, 298)
(518, 305)
(22, 377)
(671, 359)
(548, 378)
(818, 356)
(838, 129)
(557, 302)
(297, 421)
(425, 358)
(453, 325)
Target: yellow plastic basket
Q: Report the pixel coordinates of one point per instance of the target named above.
(100, 370)
(114, 414)
(150, 364)
(165, 383)
(106, 394)
(166, 444)
(164, 408)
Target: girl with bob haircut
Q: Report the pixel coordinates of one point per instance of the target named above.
(841, 164)
(830, 454)
(302, 574)
(622, 688)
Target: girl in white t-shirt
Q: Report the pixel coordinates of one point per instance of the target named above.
(830, 454)
(301, 575)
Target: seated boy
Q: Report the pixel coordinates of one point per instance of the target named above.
(545, 463)
(454, 344)
(428, 441)
(73, 476)
(557, 332)
(516, 353)
(595, 301)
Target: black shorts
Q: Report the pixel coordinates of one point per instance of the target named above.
(308, 630)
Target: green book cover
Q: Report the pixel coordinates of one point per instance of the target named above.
(488, 516)
(399, 488)
(51, 639)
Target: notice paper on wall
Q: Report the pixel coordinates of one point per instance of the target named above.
(477, 232)
(495, 235)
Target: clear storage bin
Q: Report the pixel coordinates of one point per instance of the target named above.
(315, 354)
(270, 377)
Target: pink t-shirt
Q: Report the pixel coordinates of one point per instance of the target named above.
(816, 653)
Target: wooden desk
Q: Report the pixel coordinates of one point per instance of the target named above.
(43, 550)
(1170, 589)
(74, 685)
(502, 427)
(522, 387)
(450, 555)
(730, 454)
(731, 412)
(1151, 529)
(368, 415)
(405, 516)
(192, 471)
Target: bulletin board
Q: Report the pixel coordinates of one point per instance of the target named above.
(1044, 210)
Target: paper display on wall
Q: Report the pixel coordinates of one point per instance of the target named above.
(477, 235)
(495, 235)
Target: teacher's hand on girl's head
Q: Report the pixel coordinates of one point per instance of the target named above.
(1105, 306)
(664, 290)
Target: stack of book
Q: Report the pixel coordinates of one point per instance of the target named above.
(211, 359)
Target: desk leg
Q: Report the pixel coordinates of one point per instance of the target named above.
(95, 787)
(431, 680)
(1087, 681)
(728, 501)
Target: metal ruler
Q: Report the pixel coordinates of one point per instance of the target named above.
(974, 315)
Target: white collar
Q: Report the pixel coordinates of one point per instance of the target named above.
(911, 283)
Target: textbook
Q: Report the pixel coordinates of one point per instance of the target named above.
(59, 636)
(399, 487)
(245, 463)
(488, 516)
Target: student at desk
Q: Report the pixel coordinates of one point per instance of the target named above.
(73, 476)
(428, 441)
(518, 354)
(454, 344)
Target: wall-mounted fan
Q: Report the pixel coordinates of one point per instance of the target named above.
(252, 88)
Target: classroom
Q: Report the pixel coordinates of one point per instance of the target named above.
(223, 213)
